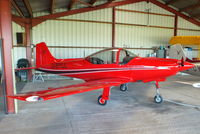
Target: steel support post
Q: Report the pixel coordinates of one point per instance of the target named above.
(175, 25)
(113, 26)
(28, 48)
(6, 35)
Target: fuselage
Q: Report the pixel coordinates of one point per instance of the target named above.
(138, 69)
(109, 63)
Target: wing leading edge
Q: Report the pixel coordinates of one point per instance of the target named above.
(52, 93)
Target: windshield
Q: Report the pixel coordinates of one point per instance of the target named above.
(126, 56)
(108, 56)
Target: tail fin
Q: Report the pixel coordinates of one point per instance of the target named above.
(177, 52)
(43, 55)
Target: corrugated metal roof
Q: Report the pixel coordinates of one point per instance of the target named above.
(188, 7)
(45, 5)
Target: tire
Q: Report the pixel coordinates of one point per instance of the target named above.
(158, 99)
(123, 87)
(101, 101)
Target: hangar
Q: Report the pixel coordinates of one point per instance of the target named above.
(78, 28)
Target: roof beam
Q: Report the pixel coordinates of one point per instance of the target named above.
(28, 6)
(17, 8)
(196, 16)
(52, 6)
(171, 2)
(40, 19)
(21, 21)
(194, 6)
(111, 0)
(192, 20)
(71, 4)
(85, 3)
(87, 9)
(93, 1)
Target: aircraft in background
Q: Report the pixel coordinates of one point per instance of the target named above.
(177, 52)
(104, 69)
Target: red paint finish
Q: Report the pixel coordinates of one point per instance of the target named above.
(52, 93)
(106, 93)
(6, 30)
(118, 67)
(84, 69)
(196, 22)
(157, 85)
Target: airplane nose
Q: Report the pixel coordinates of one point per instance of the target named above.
(186, 66)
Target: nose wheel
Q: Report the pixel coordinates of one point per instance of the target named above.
(124, 87)
(158, 98)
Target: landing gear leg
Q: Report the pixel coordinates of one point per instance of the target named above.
(102, 99)
(158, 98)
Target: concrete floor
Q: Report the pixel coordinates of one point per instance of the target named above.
(125, 113)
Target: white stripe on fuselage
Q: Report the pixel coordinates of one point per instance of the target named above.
(98, 70)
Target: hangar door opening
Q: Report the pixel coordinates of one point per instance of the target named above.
(2, 80)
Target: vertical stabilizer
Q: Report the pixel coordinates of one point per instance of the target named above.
(43, 55)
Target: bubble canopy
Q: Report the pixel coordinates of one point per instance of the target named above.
(111, 56)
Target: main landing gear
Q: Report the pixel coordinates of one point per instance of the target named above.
(124, 87)
(158, 98)
(102, 99)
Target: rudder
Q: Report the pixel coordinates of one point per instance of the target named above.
(43, 55)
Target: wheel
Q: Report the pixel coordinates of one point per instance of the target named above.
(101, 101)
(123, 87)
(158, 99)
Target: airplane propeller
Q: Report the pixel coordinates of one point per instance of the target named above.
(181, 62)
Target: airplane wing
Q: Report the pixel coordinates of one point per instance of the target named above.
(52, 93)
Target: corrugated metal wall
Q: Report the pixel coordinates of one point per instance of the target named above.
(67, 32)
(185, 24)
(74, 33)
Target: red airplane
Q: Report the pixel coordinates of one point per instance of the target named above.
(104, 69)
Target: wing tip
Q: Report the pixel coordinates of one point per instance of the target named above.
(32, 98)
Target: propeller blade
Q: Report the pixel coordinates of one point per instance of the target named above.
(182, 62)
